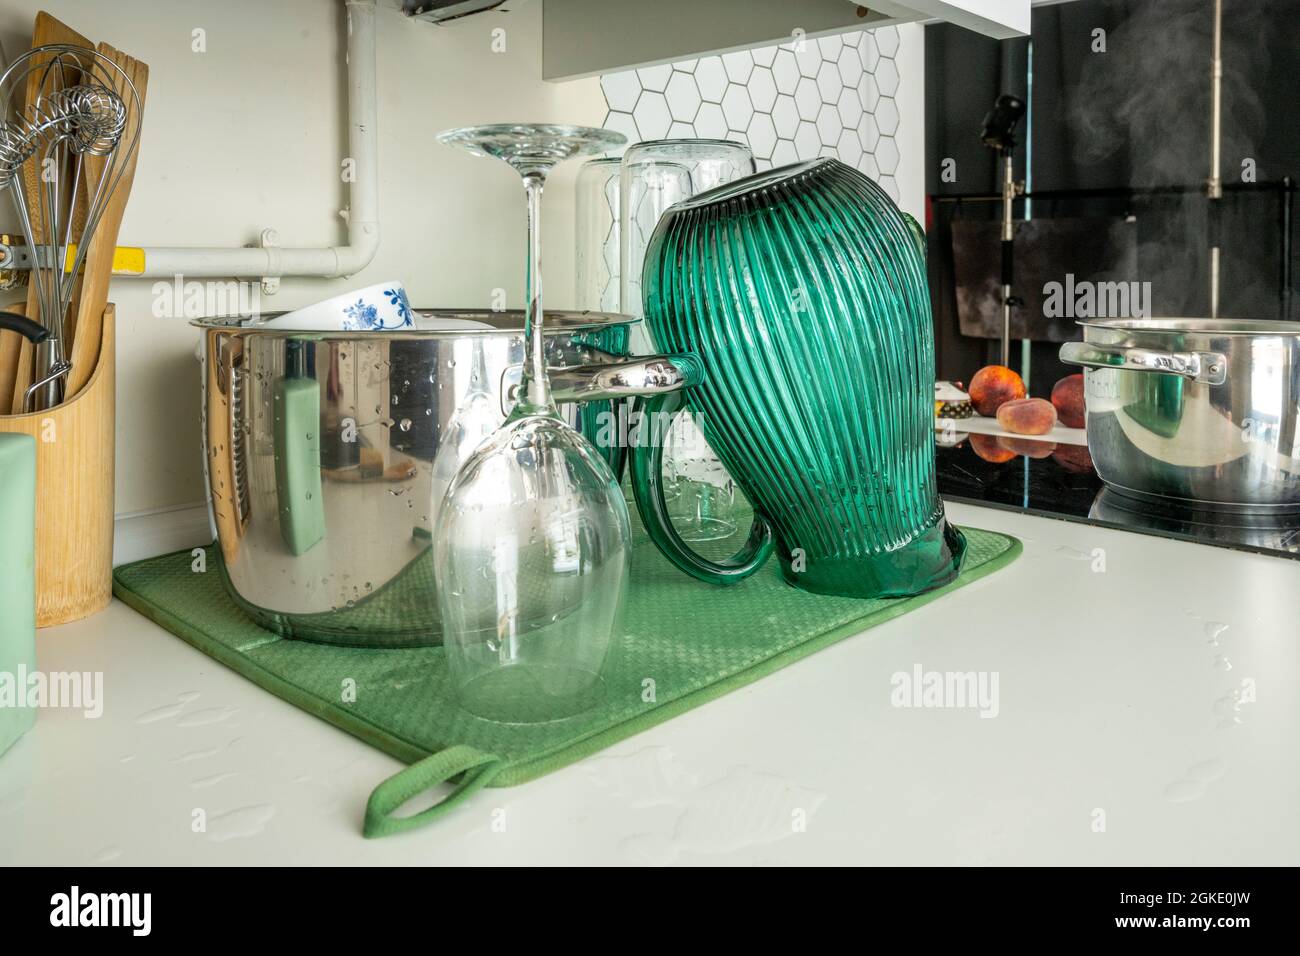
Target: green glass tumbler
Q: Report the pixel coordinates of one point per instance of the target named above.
(803, 293)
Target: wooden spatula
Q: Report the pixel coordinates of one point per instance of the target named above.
(16, 354)
(99, 256)
(11, 344)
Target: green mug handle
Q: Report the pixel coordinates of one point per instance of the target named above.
(647, 462)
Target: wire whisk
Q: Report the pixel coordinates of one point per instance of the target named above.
(63, 110)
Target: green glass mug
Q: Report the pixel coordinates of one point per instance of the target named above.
(803, 293)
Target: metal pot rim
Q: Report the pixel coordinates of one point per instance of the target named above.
(504, 322)
(1203, 326)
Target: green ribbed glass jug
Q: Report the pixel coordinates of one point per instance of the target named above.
(803, 293)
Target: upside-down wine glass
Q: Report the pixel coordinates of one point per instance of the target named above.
(532, 542)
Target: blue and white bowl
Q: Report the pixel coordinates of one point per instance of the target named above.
(376, 308)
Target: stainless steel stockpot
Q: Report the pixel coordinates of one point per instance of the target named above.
(1202, 411)
(327, 453)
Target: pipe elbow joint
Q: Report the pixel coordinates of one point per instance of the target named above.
(363, 244)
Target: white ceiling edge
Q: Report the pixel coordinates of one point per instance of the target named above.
(584, 38)
(999, 19)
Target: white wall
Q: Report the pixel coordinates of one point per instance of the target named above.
(831, 96)
(250, 135)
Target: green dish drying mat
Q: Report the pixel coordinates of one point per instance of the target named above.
(696, 641)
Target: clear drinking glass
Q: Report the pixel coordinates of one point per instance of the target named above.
(532, 541)
(700, 495)
(597, 267)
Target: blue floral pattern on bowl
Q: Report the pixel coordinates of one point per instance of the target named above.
(363, 315)
(397, 297)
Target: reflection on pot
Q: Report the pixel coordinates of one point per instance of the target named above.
(1257, 532)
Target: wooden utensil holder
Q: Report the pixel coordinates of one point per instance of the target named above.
(74, 493)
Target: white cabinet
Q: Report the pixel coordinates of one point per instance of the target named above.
(586, 37)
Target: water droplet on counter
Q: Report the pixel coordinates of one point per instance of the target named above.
(197, 755)
(1184, 791)
(745, 808)
(166, 712)
(1073, 553)
(1214, 632)
(211, 781)
(241, 823)
(1228, 709)
(209, 715)
(107, 855)
(1208, 770)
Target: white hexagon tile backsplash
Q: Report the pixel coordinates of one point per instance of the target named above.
(833, 96)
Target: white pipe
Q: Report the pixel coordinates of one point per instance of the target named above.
(362, 214)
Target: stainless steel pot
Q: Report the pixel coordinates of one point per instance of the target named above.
(327, 454)
(1202, 411)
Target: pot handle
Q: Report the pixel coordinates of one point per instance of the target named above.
(1207, 368)
(625, 378)
(611, 380)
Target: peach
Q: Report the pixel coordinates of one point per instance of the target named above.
(993, 385)
(1073, 458)
(1027, 416)
(987, 447)
(1029, 447)
(1067, 396)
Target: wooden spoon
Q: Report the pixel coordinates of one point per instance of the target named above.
(99, 256)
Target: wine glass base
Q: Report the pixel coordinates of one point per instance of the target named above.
(532, 148)
(532, 694)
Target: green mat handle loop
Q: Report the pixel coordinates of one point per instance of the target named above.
(475, 769)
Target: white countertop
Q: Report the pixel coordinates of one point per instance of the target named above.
(1114, 695)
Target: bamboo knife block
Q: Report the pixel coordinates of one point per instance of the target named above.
(74, 493)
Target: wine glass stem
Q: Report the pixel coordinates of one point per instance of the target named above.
(535, 389)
